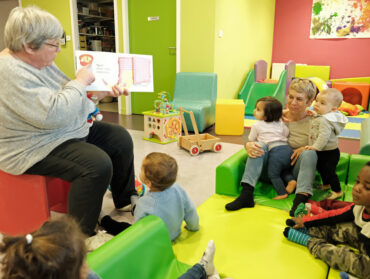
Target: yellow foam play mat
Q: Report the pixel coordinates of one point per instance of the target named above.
(249, 243)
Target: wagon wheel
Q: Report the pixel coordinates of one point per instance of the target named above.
(217, 147)
(194, 150)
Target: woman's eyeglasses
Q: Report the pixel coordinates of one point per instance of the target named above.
(57, 46)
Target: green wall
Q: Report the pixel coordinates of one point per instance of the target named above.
(197, 35)
(247, 27)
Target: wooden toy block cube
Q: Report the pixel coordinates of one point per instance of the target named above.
(229, 117)
(162, 128)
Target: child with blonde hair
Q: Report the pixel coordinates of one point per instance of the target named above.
(165, 199)
(323, 137)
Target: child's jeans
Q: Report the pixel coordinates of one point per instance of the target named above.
(195, 272)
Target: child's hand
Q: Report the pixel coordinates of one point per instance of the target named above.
(310, 147)
(299, 222)
(311, 112)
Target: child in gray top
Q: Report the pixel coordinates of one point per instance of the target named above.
(323, 137)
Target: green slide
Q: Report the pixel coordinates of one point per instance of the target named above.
(252, 91)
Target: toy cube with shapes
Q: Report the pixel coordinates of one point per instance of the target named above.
(162, 128)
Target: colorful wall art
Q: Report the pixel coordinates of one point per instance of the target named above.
(340, 19)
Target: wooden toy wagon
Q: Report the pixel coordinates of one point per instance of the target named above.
(198, 142)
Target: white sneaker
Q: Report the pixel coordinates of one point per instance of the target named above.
(207, 261)
(335, 195)
(95, 241)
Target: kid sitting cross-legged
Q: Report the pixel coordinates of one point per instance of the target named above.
(349, 225)
(165, 199)
(323, 138)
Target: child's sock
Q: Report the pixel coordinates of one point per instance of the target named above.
(113, 227)
(296, 236)
(244, 200)
(207, 260)
(299, 198)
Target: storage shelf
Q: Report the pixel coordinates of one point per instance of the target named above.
(94, 35)
(95, 17)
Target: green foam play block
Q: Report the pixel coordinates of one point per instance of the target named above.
(142, 251)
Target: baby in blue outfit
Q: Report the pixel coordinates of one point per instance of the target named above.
(165, 198)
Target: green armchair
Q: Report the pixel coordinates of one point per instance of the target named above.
(197, 92)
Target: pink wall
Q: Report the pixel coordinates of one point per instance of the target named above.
(346, 57)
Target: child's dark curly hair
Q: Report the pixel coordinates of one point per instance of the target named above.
(273, 109)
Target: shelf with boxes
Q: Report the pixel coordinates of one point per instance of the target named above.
(96, 25)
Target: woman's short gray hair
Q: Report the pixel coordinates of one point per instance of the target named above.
(304, 85)
(30, 26)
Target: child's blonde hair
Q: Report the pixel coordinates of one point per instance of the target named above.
(304, 85)
(335, 95)
(160, 169)
(56, 250)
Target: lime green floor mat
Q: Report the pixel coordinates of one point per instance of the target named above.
(249, 243)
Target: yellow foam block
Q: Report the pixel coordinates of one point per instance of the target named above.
(306, 71)
(249, 243)
(229, 117)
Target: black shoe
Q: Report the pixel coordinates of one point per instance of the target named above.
(245, 200)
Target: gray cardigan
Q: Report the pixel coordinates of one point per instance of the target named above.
(325, 130)
(39, 109)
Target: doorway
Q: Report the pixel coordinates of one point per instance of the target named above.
(152, 31)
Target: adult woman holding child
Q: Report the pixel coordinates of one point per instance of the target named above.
(44, 128)
(300, 96)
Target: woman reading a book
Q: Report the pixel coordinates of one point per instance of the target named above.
(44, 128)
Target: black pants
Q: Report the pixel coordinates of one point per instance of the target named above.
(104, 157)
(326, 165)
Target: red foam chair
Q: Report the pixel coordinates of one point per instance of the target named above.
(26, 201)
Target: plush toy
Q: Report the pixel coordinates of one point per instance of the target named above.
(349, 109)
(95, 113)
(301, 210)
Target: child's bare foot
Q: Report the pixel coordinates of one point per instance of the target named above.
(291, 186)
(280, 197)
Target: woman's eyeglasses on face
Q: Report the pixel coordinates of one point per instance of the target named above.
(57, 46)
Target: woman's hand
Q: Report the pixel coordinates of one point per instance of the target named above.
(85, 76)
(285, 116)
(254, 149)
(116, 92)
(296, 153)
